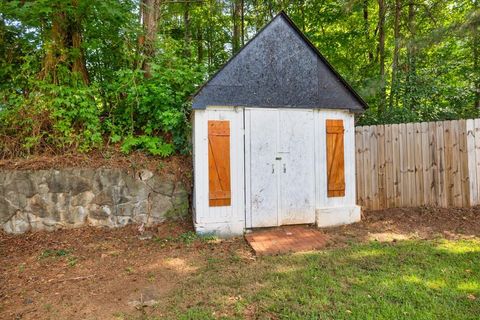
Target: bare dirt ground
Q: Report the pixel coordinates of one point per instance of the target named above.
(91, 273)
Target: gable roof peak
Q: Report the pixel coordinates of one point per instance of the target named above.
(278, 67)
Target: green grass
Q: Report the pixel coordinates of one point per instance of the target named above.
(403, 280)
(54, 253)
(186, 238)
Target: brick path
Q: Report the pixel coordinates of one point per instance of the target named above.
(286, 239)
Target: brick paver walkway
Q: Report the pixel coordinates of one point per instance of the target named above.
(286, 239)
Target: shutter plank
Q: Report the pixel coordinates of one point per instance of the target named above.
(219, 163)
(335, 158)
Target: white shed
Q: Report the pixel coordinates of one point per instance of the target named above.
(273, 138)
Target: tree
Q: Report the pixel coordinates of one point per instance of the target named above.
(63, 41)
(396, 52)
(237, 18)
(410, 99)
(149, 15)
(74, 74)
(366, 25)
(475, 53)
(381, 53)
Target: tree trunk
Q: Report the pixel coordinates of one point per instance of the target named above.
(54, 48)
(209, 39)
(150, 13)
(476, 58)
(366, 30)
(199, 44)
(236, 17)
(396, 52)
(411, 77)
(186, 22)
(381, 53)
(243, 22)
(75, 33)
(64, 45)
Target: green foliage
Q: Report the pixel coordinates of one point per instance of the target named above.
(54, 253)
(154, 107)
(70, 260)
(122, 106)
(153, 145)
(58, 110)
(73, 74)
(188, 237)
(52, 116)
(425, 113)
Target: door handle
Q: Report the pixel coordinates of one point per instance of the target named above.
(273, 168)
(284, 168)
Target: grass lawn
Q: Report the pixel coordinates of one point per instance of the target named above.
(436, 279)
(421, 263)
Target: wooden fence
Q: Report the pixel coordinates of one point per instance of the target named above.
(418, 164)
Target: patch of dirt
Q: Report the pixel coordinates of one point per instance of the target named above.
(93, 273)
(409, 223)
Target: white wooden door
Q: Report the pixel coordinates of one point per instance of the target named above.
(263, 168)
(280, 173)
(297, 175)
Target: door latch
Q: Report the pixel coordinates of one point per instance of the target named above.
(273, 168)
(284, 168)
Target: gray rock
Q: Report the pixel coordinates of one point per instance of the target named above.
(76, 216)
(144, 174)
(7, 209)
(19, 223)
(53, 199)
(46, 206)
(100, 212)
(103, 198)
(78, 185)
(22, 185)
(82, 199)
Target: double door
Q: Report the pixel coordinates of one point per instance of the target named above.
(280, 167)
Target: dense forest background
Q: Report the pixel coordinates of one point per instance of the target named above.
(77, 75)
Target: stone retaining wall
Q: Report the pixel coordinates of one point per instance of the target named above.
(66, 198)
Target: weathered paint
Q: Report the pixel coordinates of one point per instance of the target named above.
(223, 220)
(323, 201)
(280, 167)
(263, 192)
(335, 210)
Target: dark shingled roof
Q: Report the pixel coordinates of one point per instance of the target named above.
(278, 68)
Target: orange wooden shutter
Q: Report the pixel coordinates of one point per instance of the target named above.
(219, 163)
(335, 158)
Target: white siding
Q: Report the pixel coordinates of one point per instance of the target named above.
(230, 220)
(321, 158)
(203, 213)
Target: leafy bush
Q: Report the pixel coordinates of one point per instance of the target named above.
(139, 113)
(50, 117)
(153, 145)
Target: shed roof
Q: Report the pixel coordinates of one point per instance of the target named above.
(278, 68)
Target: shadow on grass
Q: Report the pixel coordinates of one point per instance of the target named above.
(401, 280)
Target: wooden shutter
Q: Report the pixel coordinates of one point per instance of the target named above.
(335, 158)
(219, 163)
